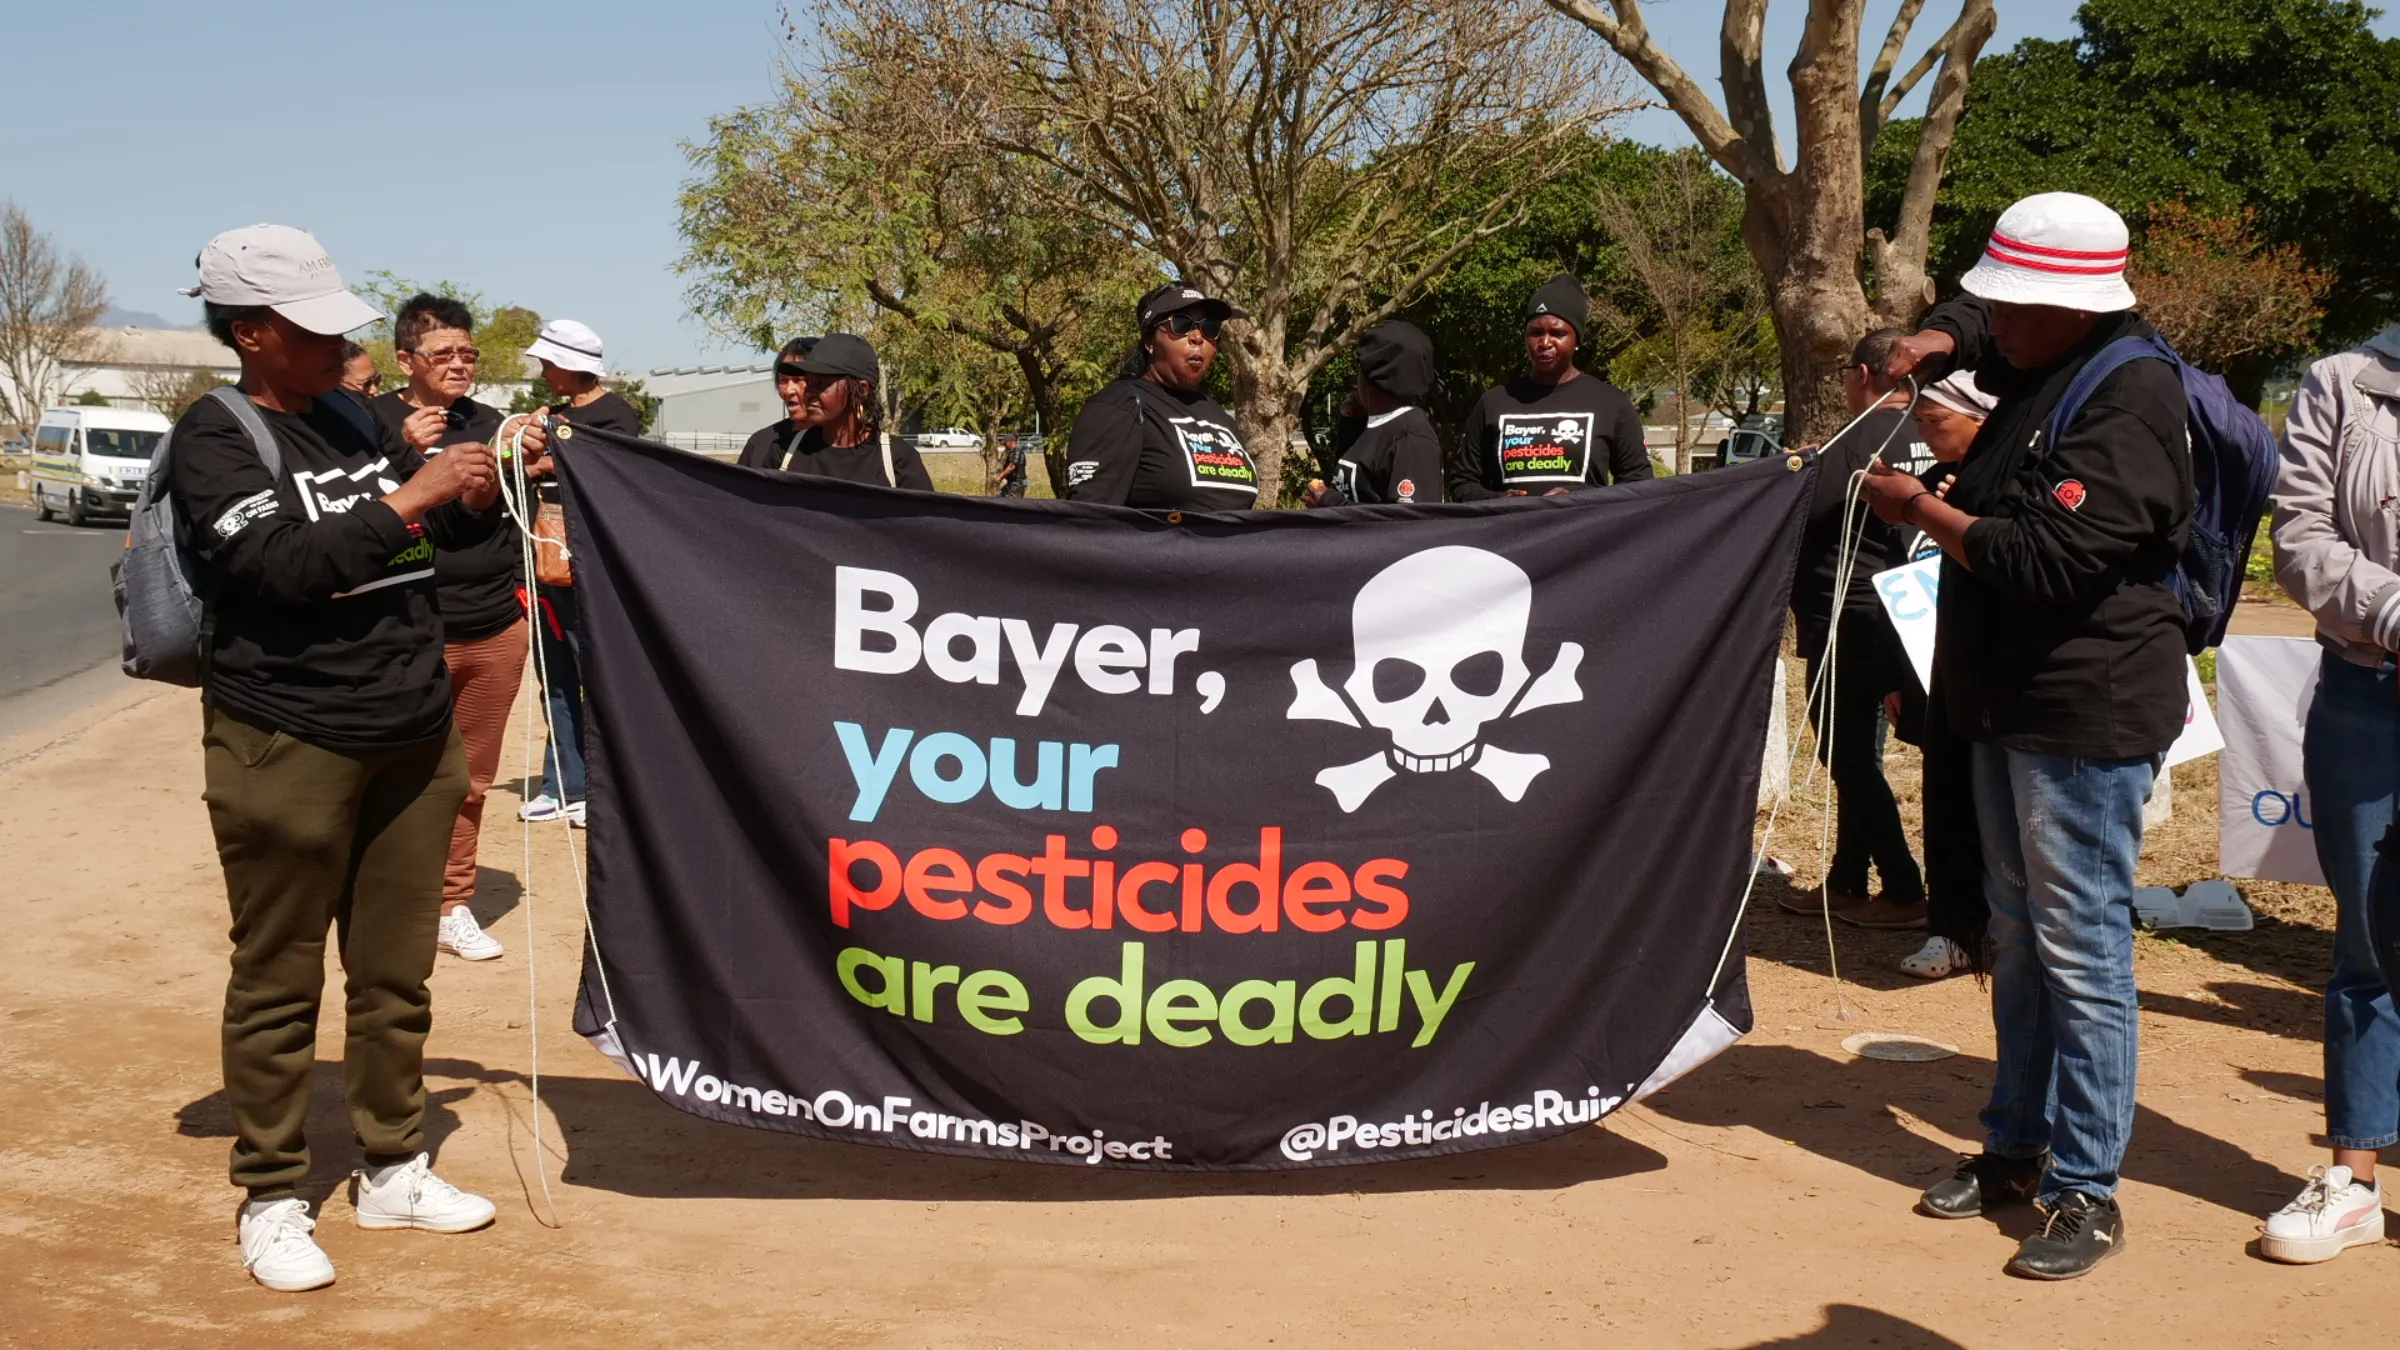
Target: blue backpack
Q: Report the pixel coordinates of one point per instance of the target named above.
(2233, 471)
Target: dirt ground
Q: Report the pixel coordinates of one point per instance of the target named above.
(1765, 1201)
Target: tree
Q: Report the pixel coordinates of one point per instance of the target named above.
(172, 391)
(2224, 300)
(48, 305)
(1805, 221)
(837, 206)
(1692, 289)
(2286, 108)
(1299, 157)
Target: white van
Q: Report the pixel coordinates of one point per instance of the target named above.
(90, 462)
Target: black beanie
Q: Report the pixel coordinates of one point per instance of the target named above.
(1397, 358)
(1563, 296)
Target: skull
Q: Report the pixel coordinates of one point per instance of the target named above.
(1439, 651)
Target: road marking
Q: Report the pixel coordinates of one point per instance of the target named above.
(74, 534)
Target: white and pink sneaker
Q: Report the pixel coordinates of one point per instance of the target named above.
(2333, 1213)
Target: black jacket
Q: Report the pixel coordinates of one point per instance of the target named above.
(1396, 458)
(326, 627)
(2061, 636)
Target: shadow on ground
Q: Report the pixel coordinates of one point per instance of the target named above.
(1848, 1326)
(1852, 1113)
(333, 1147)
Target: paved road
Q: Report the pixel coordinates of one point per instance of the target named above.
(56, 617)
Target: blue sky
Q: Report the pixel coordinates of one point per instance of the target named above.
(530, 152)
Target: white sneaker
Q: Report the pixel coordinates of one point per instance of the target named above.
(574, 814)
(277, 1249)
(2333, 1213)
(543, 807)
(411, 1196)
(464, 938)
(1937, 959)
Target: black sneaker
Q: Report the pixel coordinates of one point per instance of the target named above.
(1984, 1181)
(2081, 1232)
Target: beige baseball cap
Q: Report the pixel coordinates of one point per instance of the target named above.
(285, 270)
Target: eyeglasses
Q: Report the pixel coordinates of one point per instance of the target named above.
(464, 356)
(1182, 324)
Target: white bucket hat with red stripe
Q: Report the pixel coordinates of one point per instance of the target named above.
(2055, 248)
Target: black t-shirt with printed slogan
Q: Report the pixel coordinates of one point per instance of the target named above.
(480, 588)
(1530, 437)
(1139, 443)
(326, 626)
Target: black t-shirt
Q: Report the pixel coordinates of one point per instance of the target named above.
(861, 463)
(478, 587)
(1532, 437)
(1827, 530)
(609, 412)
(326, 628)
(1395, 460)
(769, 444)
(1139, 443)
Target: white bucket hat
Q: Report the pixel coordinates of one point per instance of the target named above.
(2055, 248)
(570, 346)
(285, 270)
(1958, 392)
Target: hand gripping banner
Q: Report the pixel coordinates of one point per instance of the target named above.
(1075, 834)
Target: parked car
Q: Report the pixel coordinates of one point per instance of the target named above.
(91, 462)
(949, 440)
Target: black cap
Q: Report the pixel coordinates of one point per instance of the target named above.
(1397, 358)
(1563, 296)
(787, 361)
(841, 354)
(1174, 298)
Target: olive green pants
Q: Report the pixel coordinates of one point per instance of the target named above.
(313, 839)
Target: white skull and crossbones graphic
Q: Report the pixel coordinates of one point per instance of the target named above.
(1438, 655)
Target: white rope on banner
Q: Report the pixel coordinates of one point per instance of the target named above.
(519, 503)
(1821, 729)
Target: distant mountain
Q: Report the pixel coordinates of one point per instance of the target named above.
(138, 318)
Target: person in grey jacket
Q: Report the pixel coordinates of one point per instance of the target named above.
(2337, 552)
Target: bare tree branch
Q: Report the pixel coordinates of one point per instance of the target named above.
(48, 306)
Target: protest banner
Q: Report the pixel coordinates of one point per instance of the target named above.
(1910, 593)
(2264, 687)
(1070, 833)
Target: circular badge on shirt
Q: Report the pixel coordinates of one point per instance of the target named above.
(2069, 493)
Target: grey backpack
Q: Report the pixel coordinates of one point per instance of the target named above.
(163, 598)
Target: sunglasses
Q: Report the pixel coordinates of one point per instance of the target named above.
(1181, 325)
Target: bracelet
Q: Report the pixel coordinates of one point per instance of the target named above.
(1922, 493)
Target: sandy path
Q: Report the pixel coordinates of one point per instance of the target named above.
(1763, 1202)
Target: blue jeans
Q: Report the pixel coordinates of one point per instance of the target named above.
(2060, 840)
(557, 628)
(2351, 755)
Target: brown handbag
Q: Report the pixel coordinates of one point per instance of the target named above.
(551, 561)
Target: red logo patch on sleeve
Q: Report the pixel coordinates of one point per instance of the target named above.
(1408, 489)
(2069, 493)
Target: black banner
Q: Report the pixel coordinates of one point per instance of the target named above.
(1066, 833)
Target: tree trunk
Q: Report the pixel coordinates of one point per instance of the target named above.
(1267, 414)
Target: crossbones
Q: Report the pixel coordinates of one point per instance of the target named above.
(1438, 644)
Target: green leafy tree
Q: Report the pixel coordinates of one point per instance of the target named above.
(2285, 109)
(837, 206)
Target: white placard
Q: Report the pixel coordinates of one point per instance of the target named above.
(1910, 592)
(2264, 688)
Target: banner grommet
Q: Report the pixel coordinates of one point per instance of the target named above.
(1175, 517)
